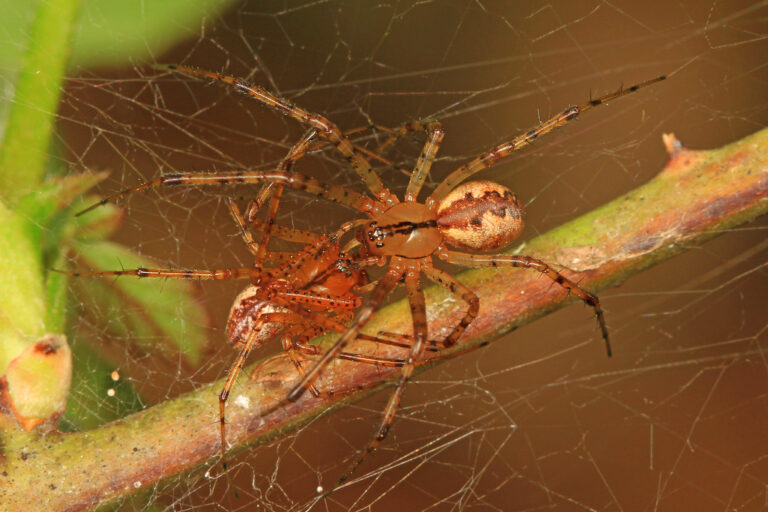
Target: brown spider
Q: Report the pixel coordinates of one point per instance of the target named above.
(405, 235)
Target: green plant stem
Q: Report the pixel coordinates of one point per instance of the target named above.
(24, 149)
(23, 155)
(696, 196)
(34, 386)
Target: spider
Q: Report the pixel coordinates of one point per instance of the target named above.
(309, 292)
(405, 235)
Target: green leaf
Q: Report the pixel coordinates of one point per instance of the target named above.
(153, 313)
(119, 32)
(57, 194)
(50, 227)
(52, 197)
(110, 32)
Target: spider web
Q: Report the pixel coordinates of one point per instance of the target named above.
(539, 419)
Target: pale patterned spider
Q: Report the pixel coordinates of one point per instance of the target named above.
(475, 216)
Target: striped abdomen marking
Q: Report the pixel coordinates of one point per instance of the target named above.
(480, 216)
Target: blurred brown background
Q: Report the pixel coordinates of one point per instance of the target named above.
(676, 420)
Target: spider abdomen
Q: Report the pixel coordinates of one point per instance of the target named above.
(247, 313)
(480, 216)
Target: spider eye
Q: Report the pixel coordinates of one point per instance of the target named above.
(480, 216)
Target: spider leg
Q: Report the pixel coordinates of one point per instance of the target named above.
(296, 340)
(234, 371)
(467, 295)
(325, 128)
(255, 204)
(199, 274)
(320, 300)
(496, 260)
(289, 234)
(301, 345)
(320, 324)
(394, 339)
(399, 132)
(371, 154)
(419, 319)
(390, 362)
(297, 151)
(269, 224)
(280, 256)
(435, 135)
(492, 156)
(366, 288)
(293, 347)
(245, 234)
(404, 340)
(295, 181)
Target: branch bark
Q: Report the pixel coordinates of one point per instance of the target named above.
(696, 196)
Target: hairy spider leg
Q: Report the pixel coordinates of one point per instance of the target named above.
(289, 234)
(269, 192)
(456, 288)
(492, 156)
(240, 222)
(395, 134)
(435, 135)
(297, 340)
